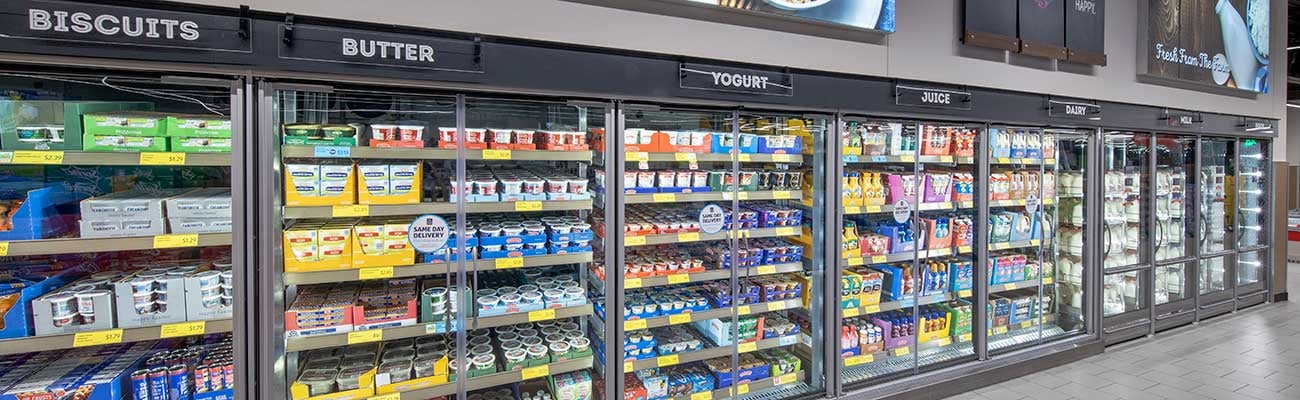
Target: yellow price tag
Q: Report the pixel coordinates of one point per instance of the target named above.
(964, 293)
(783, 157)
(350, 210)
(902, 351)
(1026, 324)
(855, 261)
(634, 325)
(1010, 286)
(665, 197)
(156, 158)
(945, 159)
(784, 379)
(96, 338)
(183, 329)
(853, 210)
(366, 336)
(178, 240)
(375, 273)
(510, 262)
(678, 278)
(634, 241)
(965, 337)
(964, 249)
(637, 156)
(390, 396)
(685, 156)
(747, 347)
(632, 283)
(688, 237)
(38, 157)
(767, 270)
(541, 315)
(857, 360)
(782, 194)
(907, 158)
(745, 158)
(1028, 161)
(497, 154)
(1033, 242)
(536, 372)
(743, 310)
(702, 396)
(999, 330)
(627, 367)
(667, 361)
(871, 309)
(742, 389)
(879, 259)
(744, 195)
(944, 341)
(785, 231)
(1004, 160)
(4, 249)
(678, 319)
(851, 312)
(528, 206)
(1048, 280)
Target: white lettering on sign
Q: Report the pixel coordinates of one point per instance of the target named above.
(387, 50)
(1076, 110)
(936, 98)
(1185, 120)
(1085, 6)
(111, 25)
(739, 80)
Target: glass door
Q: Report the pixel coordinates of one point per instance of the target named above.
(1253, 231)
(906, 287)
(1126, 244)
(1175, 229)
(433, 245)
(718, 277)
(116, 257)
(1218, 235)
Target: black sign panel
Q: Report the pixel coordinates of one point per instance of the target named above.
(739, 80)
(1085, 31)
(905, 95)
(991, 23)
(348, 46)
(52, 22)
(1073, 110)
(1255, 125)
(1042, 28)
(1182, 118)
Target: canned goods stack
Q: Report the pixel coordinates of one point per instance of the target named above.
(190, 373)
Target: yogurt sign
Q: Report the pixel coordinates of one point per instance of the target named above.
(428, 233)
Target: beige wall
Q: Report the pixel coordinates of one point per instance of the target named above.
(924, 47)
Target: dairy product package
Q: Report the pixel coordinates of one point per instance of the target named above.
(200, 203)
(304, 178)
(402, 178)
(131, 204)
(334, 179)
(374, 178)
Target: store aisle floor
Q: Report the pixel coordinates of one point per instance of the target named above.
(1251, 355)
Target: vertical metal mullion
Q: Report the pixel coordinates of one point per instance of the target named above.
(614, 217)
(269, 350)
(243, 194)
(832, 232)
(462, 330)
(1231, 269)
(1196, 272)
(733, 240)
(915, 219)
(1093, 265)
(1039, 211)
(979, 323)
(1267, 223)
(1150, 229)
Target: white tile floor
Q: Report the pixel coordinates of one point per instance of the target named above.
(1251, 355)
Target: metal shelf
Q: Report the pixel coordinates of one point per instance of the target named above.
(712, 275)
(349, 275)
(672, 238)
(711, 196)
(1021, 161)
(705, 354)
(1006, 287)
(441, 208)
(905, 303)
(901, 257)
(866, 159)
(97, 245)
(634, 156)
(123, 335)
(60, 157)
(716, 313)
(421, 329)
(1014, 245)
(746, 388)
(428, 153)
(494, 380)
(1018, 203)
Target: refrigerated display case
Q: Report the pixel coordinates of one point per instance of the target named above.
(116, 220)
(1253, 222)
(405, 216)
(1217, 228)
(1175, 230)
(719, 283)
(908, 191)
(1126, 246)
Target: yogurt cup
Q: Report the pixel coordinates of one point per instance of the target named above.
(577, 186)
(534, 186)
(515, 355)
(512, 186)
(527, 333)
(559, 349)
(531, 341)
(556, 185)
(579, 344)
(488, 303)
(537, 351)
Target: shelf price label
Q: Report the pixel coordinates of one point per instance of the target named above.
(1026, 324)
(637, 156)
(742, 389)
(536, 372)
(688, 237)
(872, 309)
(743, 310)
(678, 278)
(177, 240)
(855, 261)
(350, 210)
(689, 157)
(745, 158)
(528, 206)
(907, 158)
(497, 154)
(707, 395)
(879, 259)
(162, 158)
(767, 270)
(366, 336)
(4, 249)
(964, 293)
(510, 262)
(628, 367)
(785, 231)
(375, 273)
(634, 241)
(664, 197)
(37, 157)
(634, 325)
(1010, 286)
(390, 396)
(902, 351)
(97, 338)
(853, 210)
(857, 360)
(666, 361)
(783, 158)
(183, 329)
(999, 330)
(632, 283)
(541, 315)
(965, 337)
(747, 347)
(678, 319)
(1046, 280)
(784, 379)
(782, 195)
(944, 341)
(852, 312)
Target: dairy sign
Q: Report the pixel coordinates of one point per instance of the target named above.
(738, 80)
(47, 22)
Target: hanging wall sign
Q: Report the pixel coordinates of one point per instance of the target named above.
(905, 95)
(990, 23)
(1258, 126)
(66, 22)
(1085, 31)
(1221, 43)
(739, 80)
(348, 46)
(1182, 118)
(1073, 110)
(1042, 28)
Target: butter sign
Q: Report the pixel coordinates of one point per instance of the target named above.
(42, 21)
(737, 80)
(384, 50)
(322, 44)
